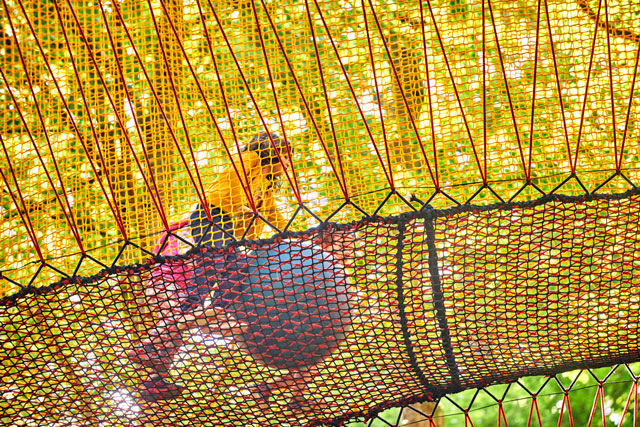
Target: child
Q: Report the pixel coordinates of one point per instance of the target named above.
(176, 292)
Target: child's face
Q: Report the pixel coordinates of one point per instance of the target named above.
(277, 169)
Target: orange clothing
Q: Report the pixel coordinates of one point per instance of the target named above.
(227, 194)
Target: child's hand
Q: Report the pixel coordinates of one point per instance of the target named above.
(246, 211)
(339, 244)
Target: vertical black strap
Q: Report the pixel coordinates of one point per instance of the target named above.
(403, 315)
(438, 302)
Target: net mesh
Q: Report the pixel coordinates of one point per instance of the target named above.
(127, 170)
(456, 299)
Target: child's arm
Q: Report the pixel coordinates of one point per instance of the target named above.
(271, 213)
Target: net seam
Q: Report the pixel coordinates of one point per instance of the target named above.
(413, 360)
(438, 302)
(395, 219)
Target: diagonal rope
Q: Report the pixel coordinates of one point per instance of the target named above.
(512, 110)
(63, 205)
(175, 95)
(156, 198)
(26, 220)
(253, 98)
(401, 89)
(343, 184)
(387, 170)
(296, 187)
(70, 115)
(457, 94)
(586, 90)
(559, 90)
(244, 183)
(533, 89)
(303, 98)
(610, 69)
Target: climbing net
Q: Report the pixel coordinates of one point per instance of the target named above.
(455, 206)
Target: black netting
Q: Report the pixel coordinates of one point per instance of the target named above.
(315, 327)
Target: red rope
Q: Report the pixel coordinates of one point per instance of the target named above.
(586, 90)
(388, 173)
(404, 97)
(527, 170)
(175, 94)
(156, 200)
(245, 185)
(613, 104)
(559, 89)
(296, 188)
(68, 215)
(26, 220)
(378, 92)
(303, 99)
(115, 210)
(429, 106)
(633, 392)
(565, 403)
(327, 103)
(533, 91)
(455, 90)
(595, 406)
(502, 415)
(250, 92)
(534, 405)
(484, 87)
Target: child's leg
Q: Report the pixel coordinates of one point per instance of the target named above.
(216, 234)
(164, 292)
(155, 353)
(176, 296)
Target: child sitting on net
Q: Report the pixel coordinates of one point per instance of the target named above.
(176, 292)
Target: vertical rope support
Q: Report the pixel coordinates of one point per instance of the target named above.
(438, 302)
(403, 315)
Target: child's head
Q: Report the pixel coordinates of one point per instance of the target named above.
(268, 151)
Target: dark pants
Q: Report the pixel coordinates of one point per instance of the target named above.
(213, 270)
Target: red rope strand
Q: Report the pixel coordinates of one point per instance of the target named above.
(156, 200)
(388, 173)
(429, 105)
(296, 188)
(512, 110)
(455, 89)
(302, 97)
(26, 220)
(251, 95)
(404, 96)
(533, 89)
(245, 184)
(175, 94)
(586, 90)
(68, 214)
(559, 89)
(378, 92)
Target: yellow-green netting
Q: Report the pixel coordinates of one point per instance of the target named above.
(133, 131)
(135, 101)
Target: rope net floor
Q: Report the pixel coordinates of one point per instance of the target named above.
(296, 213)
(424, 305)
